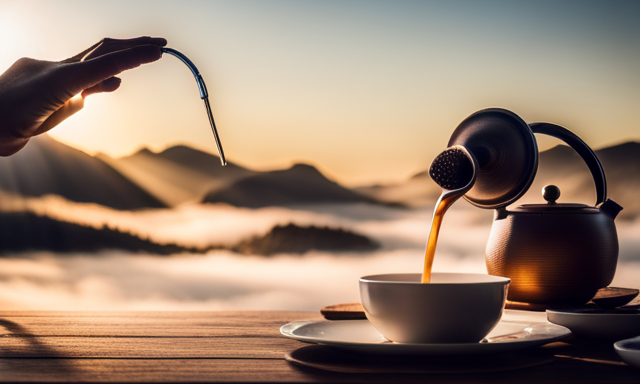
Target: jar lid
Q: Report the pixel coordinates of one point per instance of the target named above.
(507, 156)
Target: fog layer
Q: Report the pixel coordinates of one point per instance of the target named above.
(114, 280)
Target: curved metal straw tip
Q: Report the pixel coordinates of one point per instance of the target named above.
(204, 95)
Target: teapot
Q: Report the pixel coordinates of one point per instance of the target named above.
(553, 253)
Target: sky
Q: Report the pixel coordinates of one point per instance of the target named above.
(368, 91)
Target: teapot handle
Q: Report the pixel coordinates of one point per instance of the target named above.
(582, 149)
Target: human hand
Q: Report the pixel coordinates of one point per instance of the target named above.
(37, 95)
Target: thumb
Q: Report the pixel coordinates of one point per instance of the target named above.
(109, 85)
(69, 108)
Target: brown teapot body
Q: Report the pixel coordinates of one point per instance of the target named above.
(555, 254)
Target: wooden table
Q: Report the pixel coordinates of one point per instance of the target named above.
(242, 346)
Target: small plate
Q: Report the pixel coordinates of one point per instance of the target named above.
(629, 350)
(599, 324)
(514, 332)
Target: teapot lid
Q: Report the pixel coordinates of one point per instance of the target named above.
(507, 156)
(551, 193)
(556, 208)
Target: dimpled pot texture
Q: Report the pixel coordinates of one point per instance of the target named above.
(453, 308)
(553, 258)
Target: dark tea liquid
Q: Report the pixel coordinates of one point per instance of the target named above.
(444, 202)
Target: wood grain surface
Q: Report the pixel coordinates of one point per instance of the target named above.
(244, 346)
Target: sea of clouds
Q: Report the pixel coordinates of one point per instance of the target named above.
(219, 280)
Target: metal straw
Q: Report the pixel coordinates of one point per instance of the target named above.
(204, 95)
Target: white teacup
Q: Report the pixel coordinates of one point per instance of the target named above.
(452, 308)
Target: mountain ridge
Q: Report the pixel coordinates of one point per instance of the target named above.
(300, 184)
(181, 174)
(46, 166)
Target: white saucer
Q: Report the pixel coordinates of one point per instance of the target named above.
(629, 350)
(515, 331)
(594, 323)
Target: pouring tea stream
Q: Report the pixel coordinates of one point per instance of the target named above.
(454, 170)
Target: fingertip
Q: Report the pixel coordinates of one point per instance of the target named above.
(159, 41)
(150, 53)
(111, 84)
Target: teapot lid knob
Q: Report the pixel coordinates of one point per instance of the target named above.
(551, 193)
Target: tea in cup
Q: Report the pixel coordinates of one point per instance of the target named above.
(452, 308)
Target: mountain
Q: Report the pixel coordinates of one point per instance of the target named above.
(46, 166)
(622, 168)
(300, 184)
(563, 167)
(178, 174)
(418, 191)
(203, 162)
(181, 174)
(172, 177)
(27, 231)
(294, 239)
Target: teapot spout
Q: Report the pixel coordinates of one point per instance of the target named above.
(610, 208)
